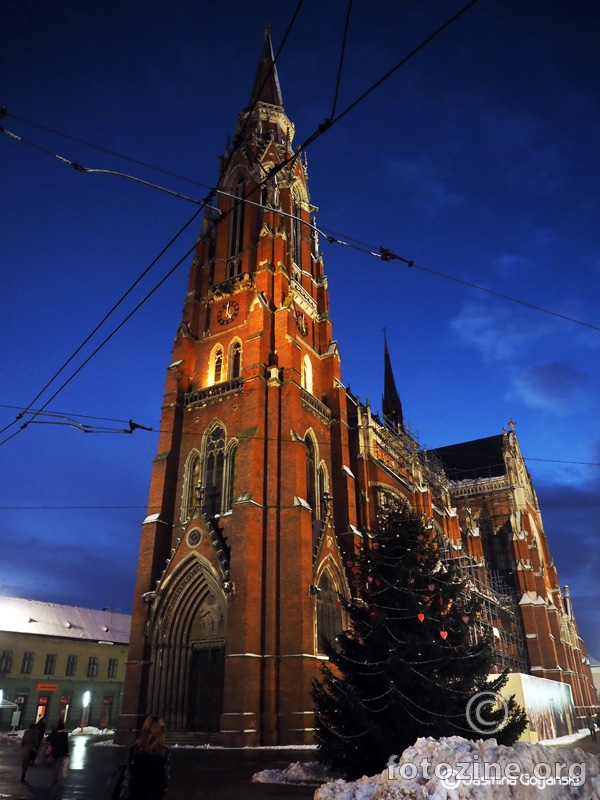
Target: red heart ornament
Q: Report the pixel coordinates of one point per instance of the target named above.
(466, 618)
(377, 582)
(418, 556)
(444, 634)
(411, 581)
(441, 600)
(420, 617)
(375, 545)
(431, 587)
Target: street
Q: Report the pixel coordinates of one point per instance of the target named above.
(209, 774)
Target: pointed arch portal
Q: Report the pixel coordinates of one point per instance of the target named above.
(187, 634)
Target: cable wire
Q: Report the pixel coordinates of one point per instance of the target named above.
(339, 75)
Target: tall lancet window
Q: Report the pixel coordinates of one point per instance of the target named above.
(296, 233)
(329, 612)
(236, 232)
(306, 377)
(311, 476)
(193, 483)
(213, 471)
(230, 478)
(215, 368)
(235, 359)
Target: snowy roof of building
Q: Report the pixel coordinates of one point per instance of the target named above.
(69, 622)
(480, 458)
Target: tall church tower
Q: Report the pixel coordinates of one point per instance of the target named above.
(252, 502)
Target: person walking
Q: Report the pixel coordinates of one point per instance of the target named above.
(147, 773)
(29, 743)
(589, 721)
(41, 729)
(59, 742)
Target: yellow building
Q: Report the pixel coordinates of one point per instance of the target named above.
(60, 661)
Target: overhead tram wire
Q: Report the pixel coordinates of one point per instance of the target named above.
(341, 64)
(205, 204)
(383, 253)
(328, 123)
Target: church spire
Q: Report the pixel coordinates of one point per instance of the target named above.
(390, 402)
(266, 87)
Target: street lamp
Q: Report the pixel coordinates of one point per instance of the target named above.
(85, 709)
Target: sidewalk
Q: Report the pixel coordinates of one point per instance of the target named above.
(210, 774)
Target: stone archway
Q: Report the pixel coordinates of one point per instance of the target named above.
(187, 633)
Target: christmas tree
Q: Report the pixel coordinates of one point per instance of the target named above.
(409, 663)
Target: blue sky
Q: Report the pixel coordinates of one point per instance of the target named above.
(478, 160)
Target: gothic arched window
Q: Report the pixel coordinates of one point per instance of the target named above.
(230, 478)
(311, 476)
(215, 370)
(296, 233)
(191, 485)
(329, 612)
(306, 377)
(236, 226)
(235, 359)
(214, 464)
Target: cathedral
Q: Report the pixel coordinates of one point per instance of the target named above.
(270, 475)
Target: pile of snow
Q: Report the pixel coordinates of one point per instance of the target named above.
(8, 740)
(458, 769)
(89, 730)
(310, 772)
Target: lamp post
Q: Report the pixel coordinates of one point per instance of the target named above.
(85, 709)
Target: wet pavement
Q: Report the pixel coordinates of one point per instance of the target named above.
(209, 774)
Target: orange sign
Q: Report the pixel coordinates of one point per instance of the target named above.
(46, 687)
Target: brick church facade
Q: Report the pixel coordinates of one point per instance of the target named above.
(270, 473)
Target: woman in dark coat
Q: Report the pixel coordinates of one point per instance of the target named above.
(148, 761)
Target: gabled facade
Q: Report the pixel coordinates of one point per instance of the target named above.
(269, 472)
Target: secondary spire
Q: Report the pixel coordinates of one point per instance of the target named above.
(390, 402)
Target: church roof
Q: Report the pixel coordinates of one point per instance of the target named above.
(266, 87)
(19, 615)
(480, 458)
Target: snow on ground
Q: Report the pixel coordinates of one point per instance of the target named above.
(8, 740)
(310, 772)
(563, 740)
(458, 769)
(89, 730)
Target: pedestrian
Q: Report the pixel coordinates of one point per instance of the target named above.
(41, 729)
(589, 721)
(147, 773)
(28, 745)
(59, 742)
(598, 719)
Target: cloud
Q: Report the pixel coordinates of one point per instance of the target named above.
(509, 264)
(421, 179)
(555, 386)
(498, 333)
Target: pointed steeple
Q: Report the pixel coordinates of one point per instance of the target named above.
(390, 402)
(266, 87)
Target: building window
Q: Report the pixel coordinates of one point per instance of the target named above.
(6, 660)
(329, 612)
(92, 669)
(71, 666)
(296, 233)
(306, 378)
(213, 471)
(27, 663)
(311, 476)
(113, 663)
(235, 359)
(236, 228)
(215, 374)
(50, 664)
(230, 478)
(191, 484)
